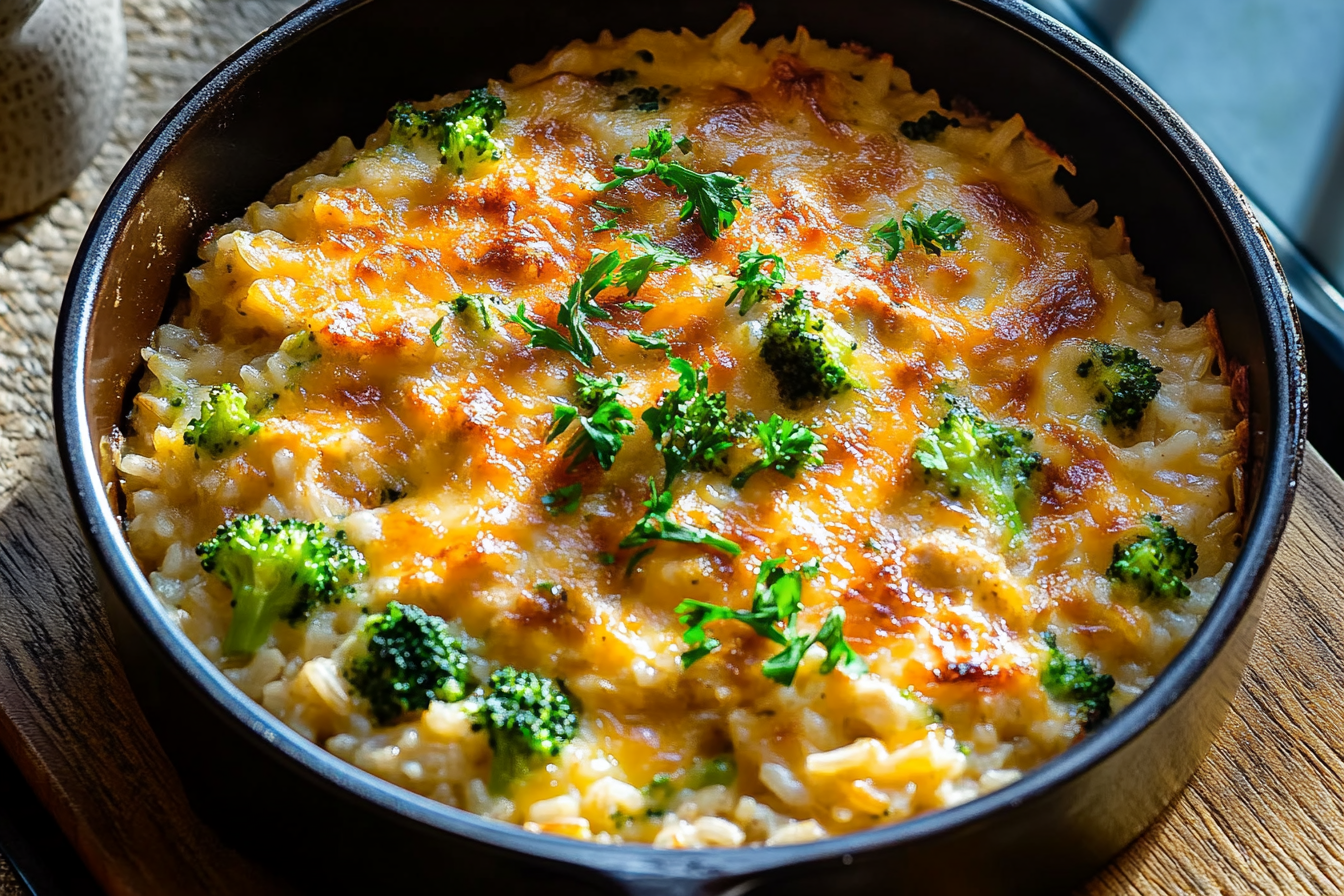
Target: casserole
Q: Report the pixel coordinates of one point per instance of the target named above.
(1079, 810)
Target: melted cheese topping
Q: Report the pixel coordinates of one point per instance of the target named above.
(432, 457)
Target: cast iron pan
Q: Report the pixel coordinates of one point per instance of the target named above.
(333, 68)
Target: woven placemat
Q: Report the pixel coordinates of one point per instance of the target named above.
(171, 44)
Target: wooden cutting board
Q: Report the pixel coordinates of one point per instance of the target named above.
(1264, 814)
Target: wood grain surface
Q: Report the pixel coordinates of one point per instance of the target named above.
(1265, 813)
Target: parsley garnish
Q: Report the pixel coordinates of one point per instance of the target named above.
(563, 500)
(637, 269)
(611, 223)
(786, 446)
(602, 432)
(777, 599)
(574, 313)
(715, 196)
(691, 425)
(641, 307)
(655, 526)
(436, 331)
(940, 232)
(656, 342)
(754, 281)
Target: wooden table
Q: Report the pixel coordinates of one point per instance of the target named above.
(1264, 814)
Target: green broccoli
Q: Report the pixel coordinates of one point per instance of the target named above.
(276, 570)
(1123, 382)
(928, 126)
(691, 426)
(224, 424)
(461, 133)
(526, 716)
(807, 352)
(1155, 563)
(1070, 678)
(409, 659)
(989, 462)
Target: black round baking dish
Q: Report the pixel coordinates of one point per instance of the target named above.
(331, 69)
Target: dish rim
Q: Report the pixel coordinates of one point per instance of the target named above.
(1284, 425)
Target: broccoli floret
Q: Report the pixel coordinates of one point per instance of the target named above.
(989, 463)
(1070, 678)
(1155, 563)
(224, 424)
(928, 126)
(526, 716)
(691, 425)
(1123, 383)
(461, 133)
(276, 570)
(409, 659)
(807, 352)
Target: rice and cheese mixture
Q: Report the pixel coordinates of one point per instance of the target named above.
(405, 323)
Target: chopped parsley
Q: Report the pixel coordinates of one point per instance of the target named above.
(436, 331)
(637, 268)
(786, 446)
(755, 281)
(611, 223)
(574, 313)
(715, 197)
(656, 526)
(691, 426)
(655, 342)
(940, 232)
(601, 434)
(777, 600)
(563, 500)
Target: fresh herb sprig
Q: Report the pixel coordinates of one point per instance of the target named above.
(655, 525)
(601, 434)
(564, 499)
(938, 233)
(786, 446)
(636, 269)
(777, 600)
(755, 281)
(578, 308)
(716, 197)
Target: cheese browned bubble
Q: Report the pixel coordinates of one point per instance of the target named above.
(390, 412)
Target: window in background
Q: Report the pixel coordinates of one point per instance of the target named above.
(1262, 81)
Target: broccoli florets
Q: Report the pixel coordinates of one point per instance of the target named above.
(1070, 678)
(1155, 563)
(807, 352)
(989, 463)
(276, 569)
(409, 659)
(461, 133)
(1123, 383)
(224, 424)
(526, 716)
